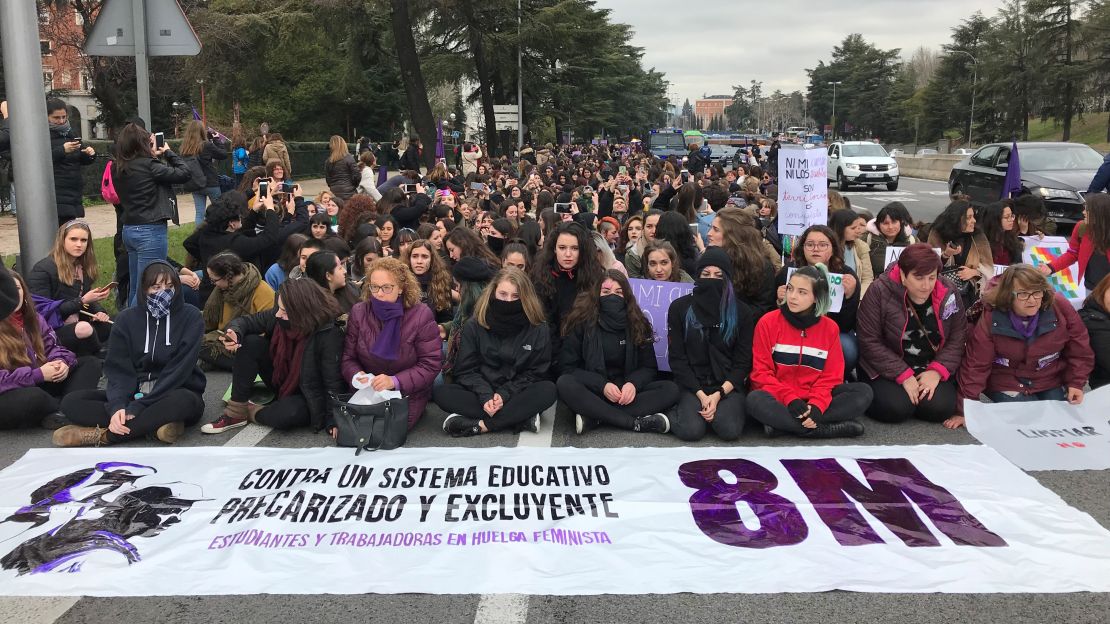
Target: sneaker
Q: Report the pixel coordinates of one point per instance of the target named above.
(653, 423)
(54, 421)
(72, 435)
(460, 426)
(532, 424)
(223, 423)
(771, 431)
(170, 432)
(842, 429)
(583, 424)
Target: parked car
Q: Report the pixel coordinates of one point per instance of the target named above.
(963, 151)
(897, 152)
(927, 152)
(862, 163)
(1058, 172)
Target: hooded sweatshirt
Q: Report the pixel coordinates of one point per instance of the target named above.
(143, 348)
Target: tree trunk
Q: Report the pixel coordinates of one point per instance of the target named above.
(1069, 87)
(408, 63)
(477, 50)
(500, 94)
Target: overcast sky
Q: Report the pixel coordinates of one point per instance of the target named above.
(707, 46)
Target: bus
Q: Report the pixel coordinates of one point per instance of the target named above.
(665, 142)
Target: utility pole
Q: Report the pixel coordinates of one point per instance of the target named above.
(834, 85)
(519, 79)
(30, 137)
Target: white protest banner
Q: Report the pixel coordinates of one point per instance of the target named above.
(1046, 435)
(893, 252)
(563, 521)
(655, 299)
(803, 189)
(836, 289)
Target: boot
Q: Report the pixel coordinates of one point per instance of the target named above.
(74, 435)
(842, 429)
(252, 411)
(170, 432)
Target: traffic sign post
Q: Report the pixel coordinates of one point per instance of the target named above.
(142, 28)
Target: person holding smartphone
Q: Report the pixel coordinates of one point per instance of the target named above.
(144, 175)
(66, 277)
(69, 155)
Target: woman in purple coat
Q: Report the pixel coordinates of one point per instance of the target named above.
(392, 340)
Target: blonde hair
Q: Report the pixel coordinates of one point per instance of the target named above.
(338, 149)
(533, 309)
(193, 140)
(410, 288)
(65, 263)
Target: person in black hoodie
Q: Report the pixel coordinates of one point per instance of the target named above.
(501, 370)
(154, 384)
(296, 348)
(609, 366)
(710, 352)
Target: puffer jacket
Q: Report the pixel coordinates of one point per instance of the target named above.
(877, 245)
(276, 150)
(489, 364)
(1097, 320)
(342, 176)
(145, 188)
(67, 175)
(998, 359)
(470, 161)
(883, 316)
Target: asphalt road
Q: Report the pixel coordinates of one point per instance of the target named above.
(925, 199)
(1088, 491)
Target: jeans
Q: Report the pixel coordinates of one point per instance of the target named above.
(144, 244)
(200, 199)
(850, 347)
(1053, 394)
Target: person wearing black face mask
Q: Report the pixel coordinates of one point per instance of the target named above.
(295, 348)
(500, 372)
(710, 338)
(609, 365)
(154, 384)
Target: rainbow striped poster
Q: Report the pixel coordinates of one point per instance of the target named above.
(1066, 282)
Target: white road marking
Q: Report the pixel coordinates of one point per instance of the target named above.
(502, 609)
(250, 435)
(513, 608)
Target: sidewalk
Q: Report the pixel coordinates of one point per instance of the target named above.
(102, 217)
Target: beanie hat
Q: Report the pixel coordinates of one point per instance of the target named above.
(471, 269)
(715, 256)
(9, 294)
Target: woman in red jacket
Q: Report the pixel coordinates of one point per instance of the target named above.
(798, 366)
(1089, 244)
(1029, 345)
(392, 340)
(911, 328)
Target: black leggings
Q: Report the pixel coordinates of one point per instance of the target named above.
(26, 407)
(89, 408)
(654, 398)
(252, 360)
(67, 337)
(689, 425)
(455, 399)
(892, 404)
(849, 401)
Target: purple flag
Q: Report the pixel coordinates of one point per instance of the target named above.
(439, 140)
(196, 115)
(383, 174)
(1011, 186)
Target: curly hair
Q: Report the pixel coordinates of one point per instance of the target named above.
(410, 288)
(352, 209)
(439, 289)
(949, 225)
(588, 271)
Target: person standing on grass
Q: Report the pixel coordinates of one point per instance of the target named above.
(144, 175)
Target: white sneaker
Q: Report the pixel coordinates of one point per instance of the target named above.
(533, 424)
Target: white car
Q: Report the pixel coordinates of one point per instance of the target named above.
(963, 151)
(862, 163)
(897, 152)
(927, 152)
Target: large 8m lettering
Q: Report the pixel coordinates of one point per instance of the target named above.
(893, 486)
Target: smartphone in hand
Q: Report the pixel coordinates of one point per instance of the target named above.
(159, 140)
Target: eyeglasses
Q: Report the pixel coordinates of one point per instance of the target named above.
(817, 246)
(385, 289)
(1025, 295)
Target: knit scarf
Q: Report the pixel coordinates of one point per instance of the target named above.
(389, 340)
(1025, 327)
(239, 296)
(803, 320)
(286, 351)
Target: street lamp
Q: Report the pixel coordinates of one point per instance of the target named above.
(203, 112)
(834, 84)
(974, 79)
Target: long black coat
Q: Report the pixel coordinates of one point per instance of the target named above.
(67, 176)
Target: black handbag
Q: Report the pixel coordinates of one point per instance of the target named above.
(382, 426)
